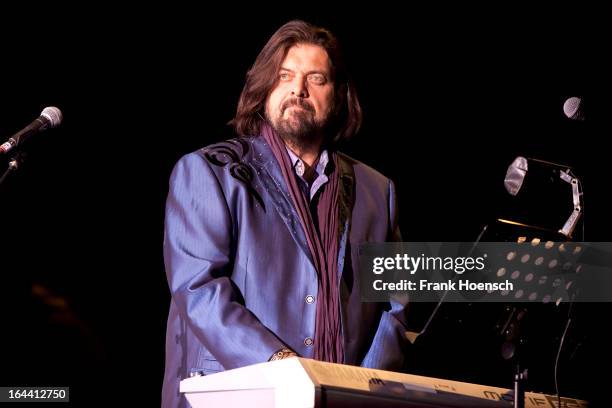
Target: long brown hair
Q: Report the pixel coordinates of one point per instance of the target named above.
(263, 76)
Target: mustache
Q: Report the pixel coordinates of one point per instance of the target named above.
(297, 102)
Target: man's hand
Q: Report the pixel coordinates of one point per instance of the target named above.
(282, 354)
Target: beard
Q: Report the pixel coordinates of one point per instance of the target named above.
(299, 128)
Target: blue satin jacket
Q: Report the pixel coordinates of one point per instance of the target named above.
(240, 272)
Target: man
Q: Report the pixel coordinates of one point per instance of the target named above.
(262, 231)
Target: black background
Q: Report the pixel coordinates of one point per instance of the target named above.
(450, 96)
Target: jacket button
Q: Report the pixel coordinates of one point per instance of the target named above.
(308, 341)
(310, 299)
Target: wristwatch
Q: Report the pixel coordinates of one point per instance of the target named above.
(283, 353)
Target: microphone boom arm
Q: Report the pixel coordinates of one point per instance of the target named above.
(572, 221)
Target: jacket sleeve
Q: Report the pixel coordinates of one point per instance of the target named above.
(388, 346)
(198, 258)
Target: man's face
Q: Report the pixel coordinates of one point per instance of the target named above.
(300, 104)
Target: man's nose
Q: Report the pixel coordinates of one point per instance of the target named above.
(299, 88)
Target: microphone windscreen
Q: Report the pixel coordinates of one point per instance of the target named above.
(53, 114)
(573, 108)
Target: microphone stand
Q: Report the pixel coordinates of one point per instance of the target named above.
(13, 166)
(413, 336)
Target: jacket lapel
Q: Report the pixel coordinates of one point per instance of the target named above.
(271, 178)
(345, 210)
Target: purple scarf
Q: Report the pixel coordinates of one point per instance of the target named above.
(328, 343)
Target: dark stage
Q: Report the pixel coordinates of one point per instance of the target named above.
(448, 103)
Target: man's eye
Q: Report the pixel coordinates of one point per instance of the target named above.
(317, 79)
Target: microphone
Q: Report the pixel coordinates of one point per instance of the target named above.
(50, 117)
(518, 169)
(574, 108)
(544, 177)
